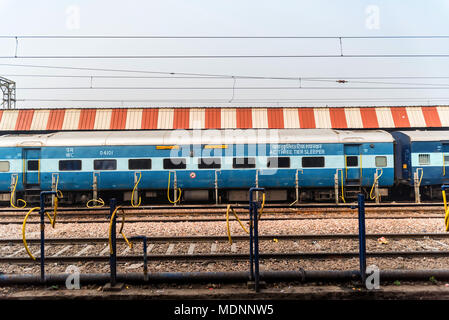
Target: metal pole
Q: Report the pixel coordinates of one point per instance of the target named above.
(145, 259)
(362, 236)
(254, 239)
(113, 255)
(251, 233)
(256, 249)
(42, 223)
(42, 260)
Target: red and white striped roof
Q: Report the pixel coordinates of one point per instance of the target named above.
(223, 118)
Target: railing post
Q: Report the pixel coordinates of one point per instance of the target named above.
(145, 258)
(254, 239)
(42, 224)
(362, 237)
(113, 254)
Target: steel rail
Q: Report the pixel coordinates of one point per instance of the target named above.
(243, 206)
(152, 239)
(186, 219)
(233, 257)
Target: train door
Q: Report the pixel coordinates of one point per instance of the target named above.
(352, 162)
(31, 163)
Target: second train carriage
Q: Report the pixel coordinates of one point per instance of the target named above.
(422, 159)
(229, 161)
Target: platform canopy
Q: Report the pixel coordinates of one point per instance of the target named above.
(62, 119)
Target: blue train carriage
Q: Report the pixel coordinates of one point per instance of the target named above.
(206, 164)
(327, 159)
(422, 159)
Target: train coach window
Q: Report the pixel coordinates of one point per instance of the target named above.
(446, 160)
(33, 165)
(352, 161)
(424, 159)
(209, 163)
(312, 162)
(69, 165)
(239, 163)
(105, 164)
(381, 161)
(175, 163)
(139, 164)
(4, 166)
(278, 162)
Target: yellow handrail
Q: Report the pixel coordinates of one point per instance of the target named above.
(99, 200)
(52, 222)
(58, 192)
(446, 210)
(121, 230)
(134, 189)
(12, 196)
(346, 167)
(422, 174)
(55, 211)
(261, 207)
(374, 183)
(168, 191)
(227, 222)
(23, 232)
(342, 189)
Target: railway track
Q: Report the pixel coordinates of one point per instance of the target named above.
(211, 214)
(211, 208)
(216, 248)
(218, 219)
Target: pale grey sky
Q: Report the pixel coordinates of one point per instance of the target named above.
(226, 18)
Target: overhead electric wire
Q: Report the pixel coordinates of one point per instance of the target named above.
(277, 56)
(234, 88)
(322, 79)
(218, 77)
(111, 70)
(217, 37)
(236, 100)
(208, 75)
